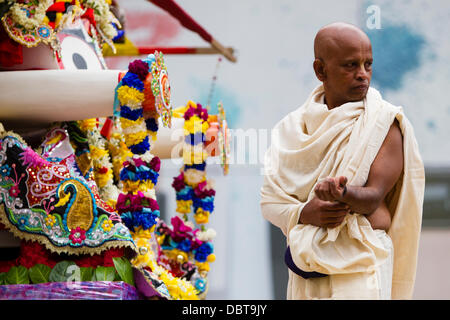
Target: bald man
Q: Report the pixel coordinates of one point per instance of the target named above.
(342, 177)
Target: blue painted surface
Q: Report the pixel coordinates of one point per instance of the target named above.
(396, 51)
(220, 94)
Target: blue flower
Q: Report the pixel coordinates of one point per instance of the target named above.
(132, 80)
(185, 245)
(151, 124)
(23, 221)
(202, 252)
(207, 204)
(200, 284)
(127, 219)
(141, 147)
(5, 170)
(127, 112)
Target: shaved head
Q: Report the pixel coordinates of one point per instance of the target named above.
(331, 37)
(343, 59)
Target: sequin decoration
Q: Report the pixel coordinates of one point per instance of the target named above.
(44, 32)
(48, 200)
(161, 89)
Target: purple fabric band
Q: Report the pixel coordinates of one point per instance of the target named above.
(291, 265)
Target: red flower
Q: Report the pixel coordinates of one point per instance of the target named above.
(110, 254)
(77, 235)
(14, 191)
(89, 261)
(32, 253)
(155, 164)
(6, 265)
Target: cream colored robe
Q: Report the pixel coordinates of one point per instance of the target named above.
(312, 143)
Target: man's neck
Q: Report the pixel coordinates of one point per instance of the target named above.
(331, 105)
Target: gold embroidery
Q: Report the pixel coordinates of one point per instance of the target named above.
(81, 209)
(131, 249)
(84, 162)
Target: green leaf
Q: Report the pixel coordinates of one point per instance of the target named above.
(59, 274)
(105, 273)
(2, 278)
(17, 275)
(40, 273)
(124, 269)
(117, 277)
(86, 273)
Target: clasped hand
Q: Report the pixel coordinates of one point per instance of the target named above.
(326, 209)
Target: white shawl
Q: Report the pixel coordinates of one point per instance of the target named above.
(312, 143)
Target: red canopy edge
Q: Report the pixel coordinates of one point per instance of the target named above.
(188, 22)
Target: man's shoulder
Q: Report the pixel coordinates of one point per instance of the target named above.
(293, 116)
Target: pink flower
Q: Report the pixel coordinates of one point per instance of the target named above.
(77, 235)
(180, 230)
(14, 191)
(178, 182)
(138, 162)
(201, 192)
(189, 113)
(31, 158)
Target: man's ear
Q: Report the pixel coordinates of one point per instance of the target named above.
(319, 69)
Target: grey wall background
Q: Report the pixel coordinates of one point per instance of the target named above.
(274, 76)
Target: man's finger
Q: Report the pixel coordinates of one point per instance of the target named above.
(342, 181)
(333, 225)
(334, 189)
(335, 205)
(334, 215)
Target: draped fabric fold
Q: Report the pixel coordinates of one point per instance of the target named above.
(313, 143)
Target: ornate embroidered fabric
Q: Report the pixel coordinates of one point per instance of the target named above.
(49, 199)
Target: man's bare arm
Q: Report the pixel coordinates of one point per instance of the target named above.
(384, 173)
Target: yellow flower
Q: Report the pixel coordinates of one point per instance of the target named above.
(161, 239)
(135, 186)
(202, 266)
(50, 220)
(195, 125)
(88, 124)
(135, 138)
(141, 233)
(102, 179)
(97, 153)
(129, 96)
(201, 216)
(112, 203)
(126, 123)
(152, 134)
(184, 206)
(211, 258)
(194, 155)
(107, 225)
(141, 260)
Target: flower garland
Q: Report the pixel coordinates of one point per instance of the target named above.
(184, 244)
(178, 288)
(103, 173)
(191, 186)
(30, 22)
(181, 245)
(118, 150)
(137, 204)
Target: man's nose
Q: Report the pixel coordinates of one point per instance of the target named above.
(362, 73)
